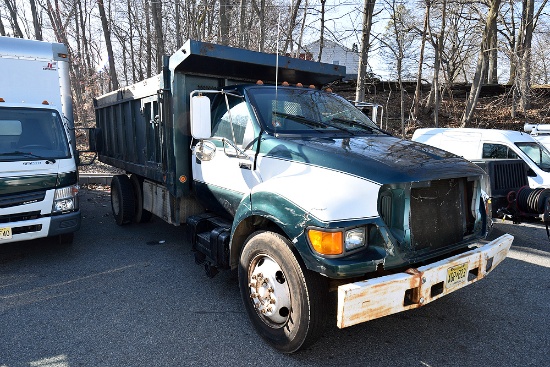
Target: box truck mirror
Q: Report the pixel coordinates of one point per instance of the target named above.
(201, 127)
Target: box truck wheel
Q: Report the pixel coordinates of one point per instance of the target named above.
(283, 300)
(122, 199)
(140, 215)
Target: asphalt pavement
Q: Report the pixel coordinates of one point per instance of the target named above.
(133, 296)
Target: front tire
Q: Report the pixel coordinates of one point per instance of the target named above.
(283, 300)
(122, 199)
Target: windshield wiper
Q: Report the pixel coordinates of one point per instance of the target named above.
(361, 125)
(302, 120)
(28, 154)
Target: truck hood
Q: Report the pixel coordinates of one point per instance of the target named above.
(381, 159)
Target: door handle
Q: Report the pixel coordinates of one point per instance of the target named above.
(245, 165)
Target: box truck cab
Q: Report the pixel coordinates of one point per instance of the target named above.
(38, 172)
(475, 144)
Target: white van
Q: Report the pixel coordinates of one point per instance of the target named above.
(539, 132)
(475, 144)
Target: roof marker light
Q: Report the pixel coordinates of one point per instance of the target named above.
(285, 84)
(44, 102)
(260, 82)
(299, 85)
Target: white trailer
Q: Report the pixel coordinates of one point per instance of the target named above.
(38, 164)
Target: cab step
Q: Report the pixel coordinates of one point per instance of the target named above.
(210, 236)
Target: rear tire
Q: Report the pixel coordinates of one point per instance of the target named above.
(140, 215)
(122, 199)
(284, 301)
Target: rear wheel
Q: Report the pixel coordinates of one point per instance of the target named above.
(283, 300)
(140, 215)
(122, 199)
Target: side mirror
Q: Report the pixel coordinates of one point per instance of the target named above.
(201, 127)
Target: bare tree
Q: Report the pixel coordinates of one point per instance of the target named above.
(368, 11)
(418, 90)
(156, 8)
(480, 68)
(12, 10)
(36, 21)
(107, 35)
(2, 29)
(322, 32)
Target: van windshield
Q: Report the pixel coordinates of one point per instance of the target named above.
(537, 153)
(290, 110)
(31, 134)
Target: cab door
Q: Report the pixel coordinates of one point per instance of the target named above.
(223, 166)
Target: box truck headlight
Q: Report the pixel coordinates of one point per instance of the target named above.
(65, 199)
(336, 242)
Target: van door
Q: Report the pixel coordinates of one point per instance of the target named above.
(223, 175)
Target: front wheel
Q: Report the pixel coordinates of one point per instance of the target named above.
(283, 300)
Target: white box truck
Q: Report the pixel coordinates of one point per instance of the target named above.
(38, 164)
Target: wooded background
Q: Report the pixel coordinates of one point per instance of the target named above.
(434, 43)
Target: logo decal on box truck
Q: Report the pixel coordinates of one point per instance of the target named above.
(50, 66)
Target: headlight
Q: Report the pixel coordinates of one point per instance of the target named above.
(337, 242)
(355, 238)
(65, 199)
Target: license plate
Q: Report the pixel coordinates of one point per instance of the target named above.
(457, 275)
(5, 233)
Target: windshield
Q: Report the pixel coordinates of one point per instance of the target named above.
(31, 134)
(304, 111)
(537, 153)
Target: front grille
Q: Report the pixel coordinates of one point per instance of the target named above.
(20, 199)
(509, 175)
(19, 217)
(437, 215)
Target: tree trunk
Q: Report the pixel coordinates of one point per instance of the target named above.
(322, 37)
(289, 37)
(368, 11)
(225, 9)
(148, 46)
(525, 57)
(156, 8)
(179, 39)
(493, 59)
(107, 35)
(480, 70)
(36, 21)
(302, 28)
(260, 12)
(2, 29)
(242, 23)
(13, 18)
(418, 90)
(439, 57)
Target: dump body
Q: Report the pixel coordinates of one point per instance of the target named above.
(258, 169)
(38, 175)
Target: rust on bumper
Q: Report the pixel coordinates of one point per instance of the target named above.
(370, 299)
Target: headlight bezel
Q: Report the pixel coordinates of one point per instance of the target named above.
(65, 199)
